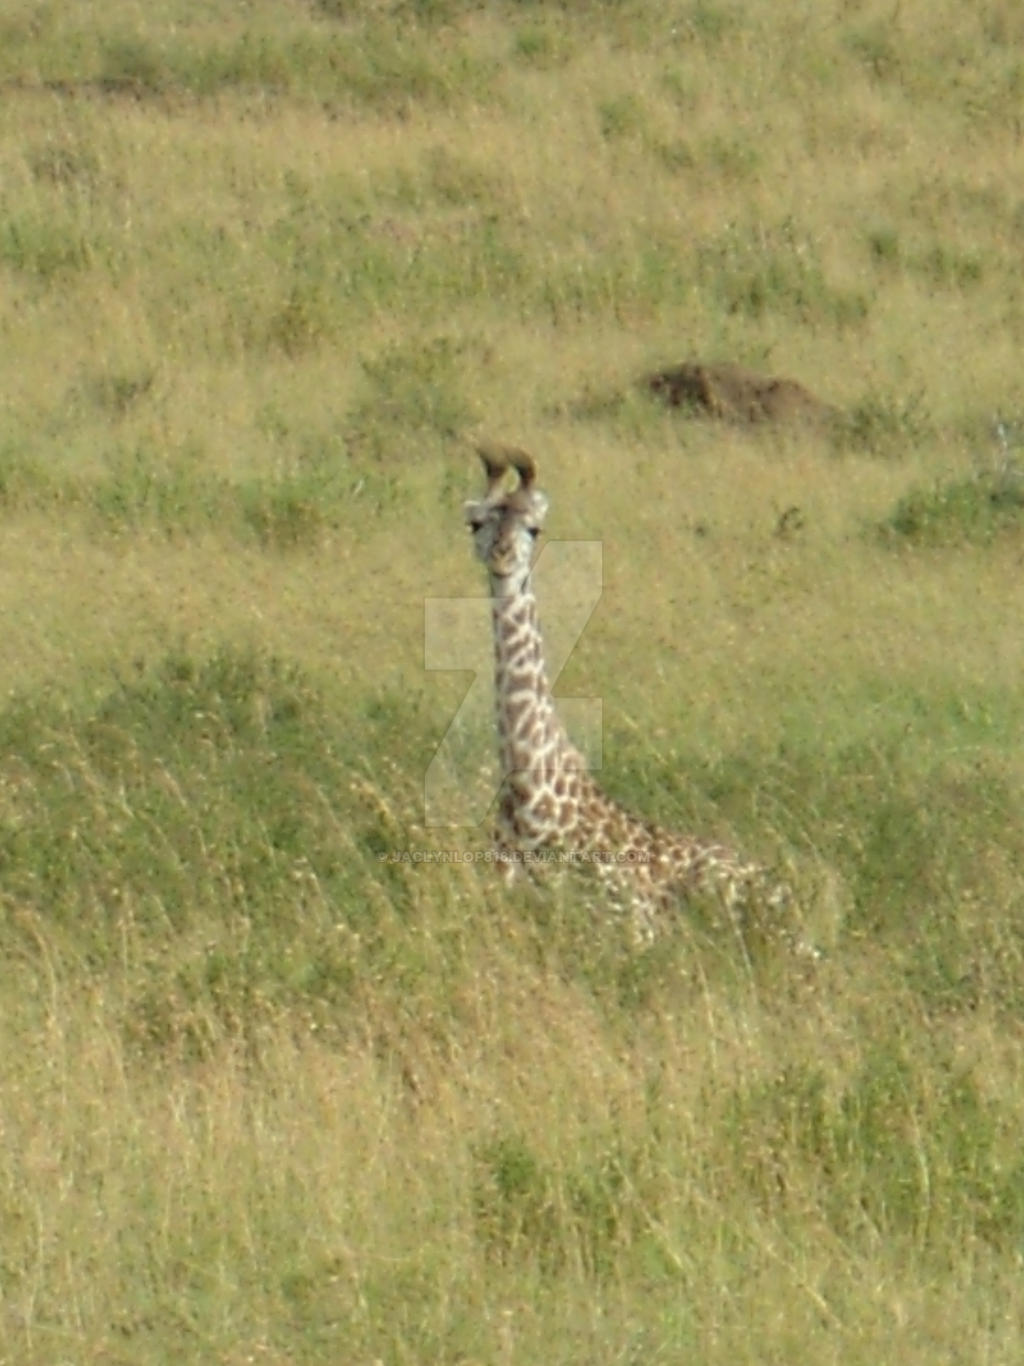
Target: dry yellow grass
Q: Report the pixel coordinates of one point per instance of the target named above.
(266, 1098)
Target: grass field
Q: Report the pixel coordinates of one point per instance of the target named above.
(268, 1097)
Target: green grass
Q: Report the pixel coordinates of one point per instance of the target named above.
(288, 1076)
(970, 511)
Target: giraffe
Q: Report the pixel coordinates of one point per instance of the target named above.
(549, 806)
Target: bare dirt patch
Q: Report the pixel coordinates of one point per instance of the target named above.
(733, 393)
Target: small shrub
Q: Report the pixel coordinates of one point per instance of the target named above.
(460, 182)
(44, 247)
(733, 157)
(411, 387)
(514, 1203)
(528, 1211)
(24, 482)
(144, 488)
(134, 64)
(621, 117)
(117, 392)
(706, 23)
(971, 511)
(304, 319)
(293, 509)
(885, 246)
(883, 425)
(675, 155)
(69, 165)
(875, 49)
(541, 46)
(949, 268)
(760, 270)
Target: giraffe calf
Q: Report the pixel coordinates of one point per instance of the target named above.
(549, 806)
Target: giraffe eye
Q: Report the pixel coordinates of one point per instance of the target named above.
(534, 532)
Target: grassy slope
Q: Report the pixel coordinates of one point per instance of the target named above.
(267, 1098)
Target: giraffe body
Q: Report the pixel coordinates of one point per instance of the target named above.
(550, 807)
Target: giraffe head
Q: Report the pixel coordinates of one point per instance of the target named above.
(506, 522)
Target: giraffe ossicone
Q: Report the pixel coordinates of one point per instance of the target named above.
(549, 806)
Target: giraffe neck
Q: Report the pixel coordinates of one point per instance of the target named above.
(548, 798)
(532, 742)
